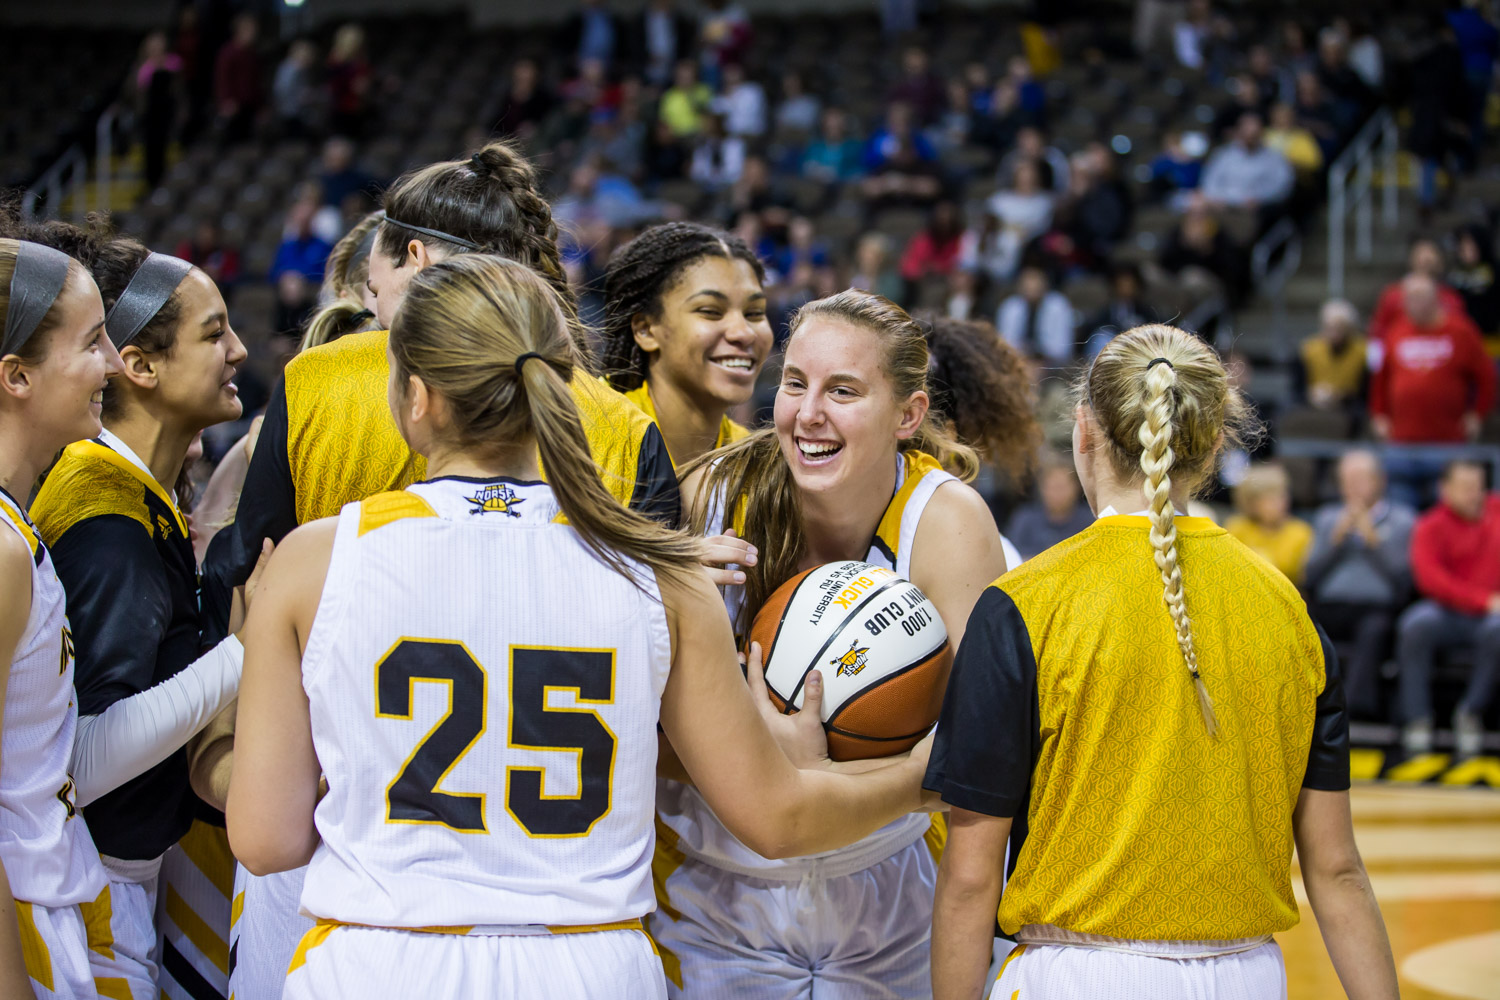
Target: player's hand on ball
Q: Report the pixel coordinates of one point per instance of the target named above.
(723, 551)
(800, 735)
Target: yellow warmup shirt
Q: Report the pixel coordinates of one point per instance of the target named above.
(729, 431)
(329, 440)
(1070, 710)
(1285, 547)
(1343, 371)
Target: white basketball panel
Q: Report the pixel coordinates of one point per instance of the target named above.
(862, 623)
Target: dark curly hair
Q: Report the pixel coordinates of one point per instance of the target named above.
(113, 261)
(640, 273)
(491, 200)
(981, 386)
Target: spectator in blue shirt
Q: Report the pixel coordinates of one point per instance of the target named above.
(834, 156)
(1479, 43)
(301, 251)
(899, 129)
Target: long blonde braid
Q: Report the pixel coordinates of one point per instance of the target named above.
(1156, 462)
(1166, 407)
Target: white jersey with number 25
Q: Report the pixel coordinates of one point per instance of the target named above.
(484, 695)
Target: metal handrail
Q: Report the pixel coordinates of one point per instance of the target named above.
(1333, 448)
(1272, 281)
(73, 164)
(104, 148)
(1359, 159)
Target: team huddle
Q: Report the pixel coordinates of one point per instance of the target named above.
(460, 700)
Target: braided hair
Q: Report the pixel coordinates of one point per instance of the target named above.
(640, 273)
(490, 202)
(1166, 407)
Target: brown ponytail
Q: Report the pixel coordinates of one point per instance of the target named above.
(490, 202)
(461, 328)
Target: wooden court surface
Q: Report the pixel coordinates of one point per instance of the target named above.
(1434, 859)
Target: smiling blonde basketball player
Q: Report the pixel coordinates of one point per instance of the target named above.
(855, 468)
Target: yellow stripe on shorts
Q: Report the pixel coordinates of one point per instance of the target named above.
(113, 988)
(1014, 953)
(312, 939)
(207, 847)
(98, 917)
(33, 947)
(203, 937)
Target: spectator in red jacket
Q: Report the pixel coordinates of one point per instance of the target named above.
(1455, 557)
(934, 251)
(1425, 257)
(237, 91)
(1434, 385)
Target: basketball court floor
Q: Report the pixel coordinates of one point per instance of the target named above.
(1433, 854)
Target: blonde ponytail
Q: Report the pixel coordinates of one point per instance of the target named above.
(490, 336)
(1156, 462)
(1166, 408)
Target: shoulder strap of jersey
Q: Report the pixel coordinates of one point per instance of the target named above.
(92, 480)
(384, 508)
(922, 476)
(11, 512)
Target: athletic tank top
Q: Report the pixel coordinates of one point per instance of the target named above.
(484, 694)
(45, 846)
(687, 821)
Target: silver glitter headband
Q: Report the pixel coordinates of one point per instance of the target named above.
(149, 289)
(35, 284)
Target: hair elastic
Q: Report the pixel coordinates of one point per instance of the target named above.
(35, 285)
(436, 234)
(149, 289)
(521, 361)
(1160, 361)
(477, 164)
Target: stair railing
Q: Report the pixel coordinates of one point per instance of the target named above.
(1346, 195)
(69, 174)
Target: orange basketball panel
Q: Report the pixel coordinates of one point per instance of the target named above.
(842, 746)
(901, 705)
(768, 619)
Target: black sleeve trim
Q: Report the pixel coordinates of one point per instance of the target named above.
(1328, 755)
(989, 733)
(656, 494)
(267, 509)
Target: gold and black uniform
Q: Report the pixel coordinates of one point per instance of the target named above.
(122, 552)
(1070, 710)
(329, 440)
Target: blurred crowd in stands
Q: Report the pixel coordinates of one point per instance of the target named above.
(950, 189)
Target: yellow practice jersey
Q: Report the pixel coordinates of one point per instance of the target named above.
(729, 431)
(1071, 710)
(329, 440)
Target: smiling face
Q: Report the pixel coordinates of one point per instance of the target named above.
(194, 378)
(710, 335)
(64, 385)
(837, 414)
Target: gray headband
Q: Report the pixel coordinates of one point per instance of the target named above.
(35, 284)
(436, 234)
(149, 289)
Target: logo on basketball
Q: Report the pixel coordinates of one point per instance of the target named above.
(853, 661)
(496, 499)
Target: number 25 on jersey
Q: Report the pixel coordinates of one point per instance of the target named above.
(415, 794)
